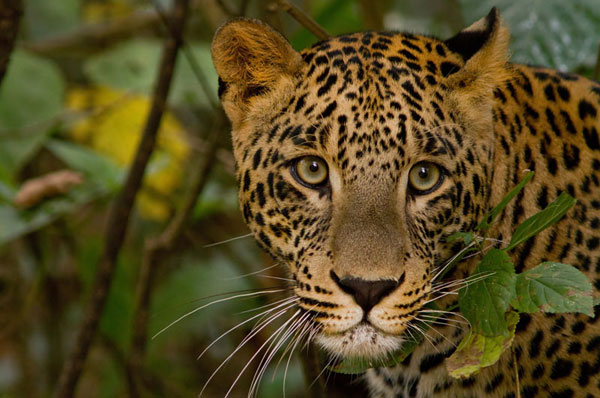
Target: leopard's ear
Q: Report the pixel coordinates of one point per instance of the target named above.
(250, 59)
(484, 36)
(483, 47)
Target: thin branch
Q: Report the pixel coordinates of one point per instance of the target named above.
(304, 19)
(312, 366)
(596, 74)
(156, 249)
(227, 8)
(373, 12)
(119, 214)
(189, 55)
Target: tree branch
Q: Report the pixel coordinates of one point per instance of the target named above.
(10, 15)
(119, 214)
(156, 249)
(304, 19)
(596, 73)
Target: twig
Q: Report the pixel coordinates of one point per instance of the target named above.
(227, 9)
(157, 248)
(304, 19)
(10, 15)
(596, 74)
(517, 381)
(373, 13)
(189, 55)
(119, 214)
(311, 366)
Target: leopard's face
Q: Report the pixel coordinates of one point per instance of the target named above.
(354, 167)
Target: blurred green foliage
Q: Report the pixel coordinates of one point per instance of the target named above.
(48, 253)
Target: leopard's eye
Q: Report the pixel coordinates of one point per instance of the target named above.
(311, 171)
(424, 177)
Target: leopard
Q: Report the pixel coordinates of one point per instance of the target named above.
(356, 160)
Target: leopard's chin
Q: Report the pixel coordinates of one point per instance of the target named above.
(363, 340)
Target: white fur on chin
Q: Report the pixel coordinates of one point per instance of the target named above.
(361, 341)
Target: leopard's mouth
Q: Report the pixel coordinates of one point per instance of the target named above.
(362, 340)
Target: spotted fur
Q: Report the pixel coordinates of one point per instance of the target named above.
(372, 105)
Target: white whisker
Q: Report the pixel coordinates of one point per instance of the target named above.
(443, 319)
(215, 302)
(289, 302)
(441, 334)
(252, 333)
(276, 278)
(253, 273)
(259, 350)
(267, 305)
(297, 339)
(270, 352)
(424, 335)
(227, 240)
(450, 260)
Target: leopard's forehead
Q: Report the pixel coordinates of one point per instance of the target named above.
(369, 102)
(385, 54)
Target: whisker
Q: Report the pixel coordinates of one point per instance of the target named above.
(212, 296)
(253, 273)
(215, 302)
(333, 359)
(287, 364)
(296, 339)
(457, 314)
(227, 240)
(469, 279)
(466, 283)
(252, 333)
(443, 319)
(441, 334)
(451, 259)
(266, 305)
(441, 323)
(270, 352)
(424, 335)
(289, 302)
(279, 278)
(294, 328)
(259, 350)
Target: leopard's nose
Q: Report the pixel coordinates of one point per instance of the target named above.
(367, 293)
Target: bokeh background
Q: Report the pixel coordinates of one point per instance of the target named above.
(76, 96)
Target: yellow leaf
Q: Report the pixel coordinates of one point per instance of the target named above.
(111, 122)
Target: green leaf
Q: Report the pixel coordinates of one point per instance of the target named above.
(555, 33)
(133, 66)
(354, 365)
(15, 222)
(97, 168)
(485, 301)
(466, 237)
(542, 220)
(477, 351)
(553, 287)
(31, 97)
(102, 176)
(44, 19)
(491, 216)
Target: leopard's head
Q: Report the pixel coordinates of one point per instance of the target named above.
(356, 159)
